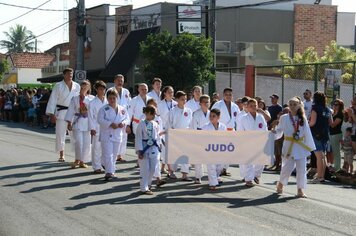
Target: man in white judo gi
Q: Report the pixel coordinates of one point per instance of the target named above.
(137, 104)
(229, 112)
(57, 107)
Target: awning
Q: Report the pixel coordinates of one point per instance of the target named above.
(92, 76)
(125, 56)
(10, 79)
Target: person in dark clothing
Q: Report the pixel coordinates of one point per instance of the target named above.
(275, 110)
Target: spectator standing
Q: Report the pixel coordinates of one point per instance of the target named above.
(336, 133)
(308, 102)
(274, 110)
(320, 119)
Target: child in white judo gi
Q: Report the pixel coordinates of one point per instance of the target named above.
(199, 119)
(123, 99)
(98, 102)
(156, 90)
(180, 117)
(252, 121)
(77, 119)
(157, 119)
(147, 146)
(214, 170)
(113, 119)
(194, 103)
(297, 145)
(164, 106)
(229, 113)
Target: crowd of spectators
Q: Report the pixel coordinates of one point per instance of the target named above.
(25, 105)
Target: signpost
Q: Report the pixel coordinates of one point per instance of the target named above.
(332, 83)
(80, 76)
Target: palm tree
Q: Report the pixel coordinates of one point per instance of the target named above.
(18, 39)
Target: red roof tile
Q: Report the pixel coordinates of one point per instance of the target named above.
(31, 60)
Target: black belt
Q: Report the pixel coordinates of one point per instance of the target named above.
(60, 108)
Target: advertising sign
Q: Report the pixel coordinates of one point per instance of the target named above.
(192, 27)
(332, 83)
(189, 12)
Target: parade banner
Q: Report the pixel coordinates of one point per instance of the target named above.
(219, 147)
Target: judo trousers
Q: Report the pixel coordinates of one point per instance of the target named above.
(288, 165)
(109, 150)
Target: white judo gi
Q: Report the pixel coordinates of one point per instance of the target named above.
(163, 111)
(147, 140)
(57, 105)
(199, 119)
(228, 119)
(94, 107)
(80, 125)
(214, 170)
(158, 120)
(123, 99)
(294, 156)
(180, 119)
(193, 105)
(136, 110)
(155, 96)
(250, 171)
(111, 138)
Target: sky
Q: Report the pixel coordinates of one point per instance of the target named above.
(40, 22)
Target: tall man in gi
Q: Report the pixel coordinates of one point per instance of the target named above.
(57, 107)
(229, 113)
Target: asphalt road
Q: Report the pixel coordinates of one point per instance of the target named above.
(40, 196)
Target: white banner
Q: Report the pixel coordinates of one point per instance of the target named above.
(219, 147)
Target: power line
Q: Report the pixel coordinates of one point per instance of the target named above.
(43, 9)
(25, 13)
(49, 31)
(31, 8)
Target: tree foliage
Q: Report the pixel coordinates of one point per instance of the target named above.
(18, 39)
(182, 61)
(332, 53)
(4, 67)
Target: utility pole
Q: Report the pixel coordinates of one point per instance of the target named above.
(213, 28)
(80, 30)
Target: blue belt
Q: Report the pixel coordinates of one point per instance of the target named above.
(148, 146)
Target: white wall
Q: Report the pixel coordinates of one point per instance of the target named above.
(110, 36)
(266, 86)
(345, 31)
(289, 6)
(28, 76)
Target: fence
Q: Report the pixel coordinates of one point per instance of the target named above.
(288, 80)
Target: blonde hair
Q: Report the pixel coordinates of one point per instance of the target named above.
(300, 112)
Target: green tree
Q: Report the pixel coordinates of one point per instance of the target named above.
(182, 61)
(332, 53)
(4, 66)
(18, 39)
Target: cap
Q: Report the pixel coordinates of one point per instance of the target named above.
(274, 96)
